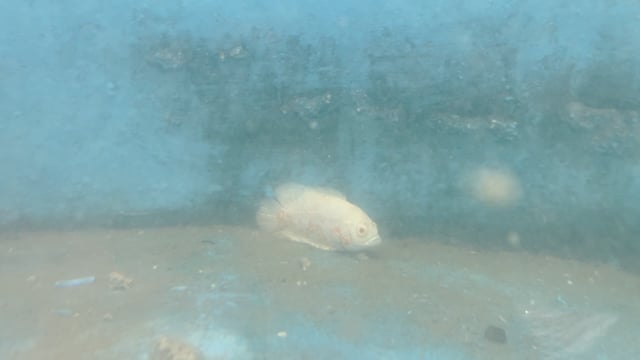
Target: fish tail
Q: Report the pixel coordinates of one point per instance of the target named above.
(269, 216)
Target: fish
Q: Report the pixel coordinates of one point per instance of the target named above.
(320, 217)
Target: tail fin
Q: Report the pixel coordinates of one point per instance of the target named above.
(267, 216)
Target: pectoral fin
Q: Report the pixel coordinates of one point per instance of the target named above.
(303, 239)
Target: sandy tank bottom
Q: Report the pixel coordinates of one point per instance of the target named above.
(235, 293)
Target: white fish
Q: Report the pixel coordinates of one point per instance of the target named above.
(319, 217)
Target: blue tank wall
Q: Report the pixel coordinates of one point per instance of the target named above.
(121, 112)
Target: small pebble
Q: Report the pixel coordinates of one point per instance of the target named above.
(174, 349)
(495, 334)
(305, 263)
(118, 281)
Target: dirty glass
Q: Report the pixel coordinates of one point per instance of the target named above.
(319, 179)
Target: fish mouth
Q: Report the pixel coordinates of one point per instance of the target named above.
(371, 242)
(374, 241)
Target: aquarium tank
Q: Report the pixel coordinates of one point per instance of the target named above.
(382, 179)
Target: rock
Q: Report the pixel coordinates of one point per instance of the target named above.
(495, 334)
(174, 349)
(118, 281)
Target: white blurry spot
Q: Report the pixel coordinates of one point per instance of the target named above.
(282, 334)
(238, 52)
(513, 238)
(495, 187)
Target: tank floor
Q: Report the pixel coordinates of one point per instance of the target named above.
(234, 293)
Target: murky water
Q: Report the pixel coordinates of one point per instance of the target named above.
(488, 153)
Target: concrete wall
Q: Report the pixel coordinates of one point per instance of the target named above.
(122, 113)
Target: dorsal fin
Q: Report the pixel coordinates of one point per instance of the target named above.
(288, 192)
(330, 192)
(291, 191)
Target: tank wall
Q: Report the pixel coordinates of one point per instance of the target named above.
(127, 113)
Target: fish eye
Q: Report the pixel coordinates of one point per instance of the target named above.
(362, 230)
